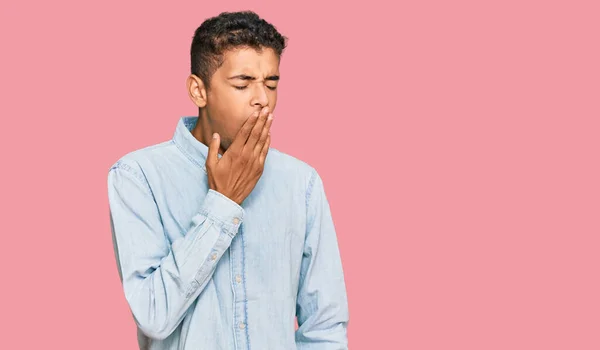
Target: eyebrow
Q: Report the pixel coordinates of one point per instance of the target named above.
(248, 77)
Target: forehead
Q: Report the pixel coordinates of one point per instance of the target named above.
(248, 60)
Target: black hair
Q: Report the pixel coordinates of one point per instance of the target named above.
(227, 31)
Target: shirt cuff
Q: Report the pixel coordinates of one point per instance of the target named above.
(223, 210)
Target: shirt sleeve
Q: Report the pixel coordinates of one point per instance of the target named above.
(322, 306)
(161, 280)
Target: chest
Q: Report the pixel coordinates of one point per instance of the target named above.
(268, 247)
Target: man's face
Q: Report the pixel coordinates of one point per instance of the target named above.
(246, 82)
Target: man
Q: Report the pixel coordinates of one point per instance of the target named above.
(220, 240)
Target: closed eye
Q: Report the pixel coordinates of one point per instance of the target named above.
(244, 87)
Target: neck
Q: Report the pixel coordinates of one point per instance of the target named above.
(204, 130)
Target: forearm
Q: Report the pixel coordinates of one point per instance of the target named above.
(322, 307)
(162, 280)
(159, 300)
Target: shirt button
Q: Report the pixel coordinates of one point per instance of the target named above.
(236, 221)
(214, 256)
(242, 325)
(238, 279)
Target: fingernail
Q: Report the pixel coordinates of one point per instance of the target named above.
(270, 116)
(214, 135)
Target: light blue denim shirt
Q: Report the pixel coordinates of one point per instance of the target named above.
(201, 272)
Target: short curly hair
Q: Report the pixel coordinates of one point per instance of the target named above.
(227, 31)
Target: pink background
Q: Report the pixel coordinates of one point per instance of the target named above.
(458, 142)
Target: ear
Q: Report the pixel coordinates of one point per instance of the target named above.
(196, 91)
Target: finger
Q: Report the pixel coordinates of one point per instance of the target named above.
(263, 136)
(257, 130)
(242, 135)
(213, 150)
(265, 150)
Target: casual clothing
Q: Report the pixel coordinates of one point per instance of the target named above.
(200, 271)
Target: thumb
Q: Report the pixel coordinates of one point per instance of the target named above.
(213, 150)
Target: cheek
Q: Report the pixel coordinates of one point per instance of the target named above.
(273, 100)
(229, 111)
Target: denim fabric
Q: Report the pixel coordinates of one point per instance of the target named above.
(201, 272)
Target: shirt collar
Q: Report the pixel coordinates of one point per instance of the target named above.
(195, 150)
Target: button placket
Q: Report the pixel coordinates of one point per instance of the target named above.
(237, 283)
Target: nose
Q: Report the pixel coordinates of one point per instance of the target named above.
(260, 98)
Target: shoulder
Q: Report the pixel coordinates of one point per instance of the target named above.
(286, 162)
(135, 161)
(291, 169)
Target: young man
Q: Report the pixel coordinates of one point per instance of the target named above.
(220, 240)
